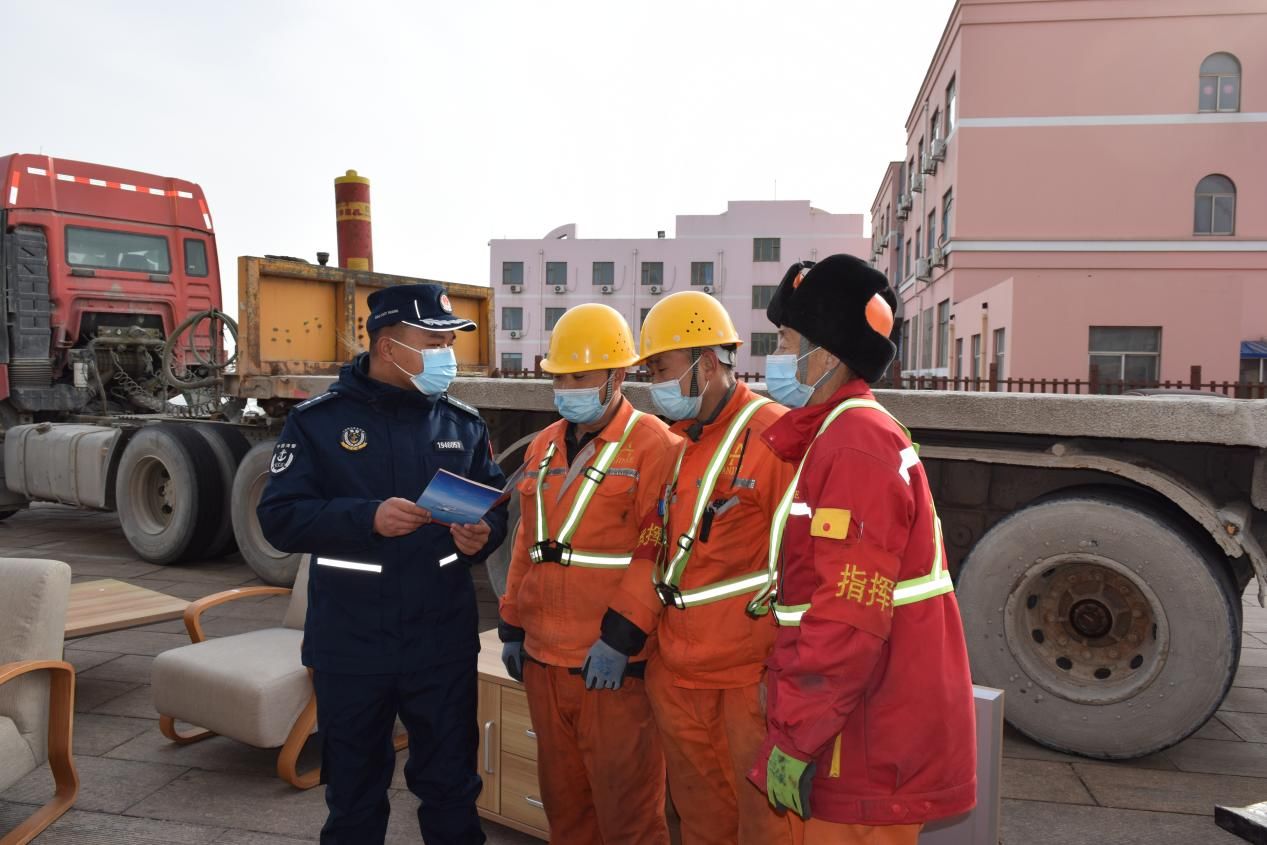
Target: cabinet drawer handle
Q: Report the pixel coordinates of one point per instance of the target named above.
(531, 733)
(534, 802)
(488, 745)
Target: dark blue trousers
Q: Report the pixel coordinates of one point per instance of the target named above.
(356, 717)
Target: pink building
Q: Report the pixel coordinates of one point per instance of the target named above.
(738, 256)
(1083, 190)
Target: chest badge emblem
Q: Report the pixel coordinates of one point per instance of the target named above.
(354, 439)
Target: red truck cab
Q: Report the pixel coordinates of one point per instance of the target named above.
(95, 253)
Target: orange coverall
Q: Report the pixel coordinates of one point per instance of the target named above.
(705, 681)
(599, 759)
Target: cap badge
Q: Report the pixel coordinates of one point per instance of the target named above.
(445, 304)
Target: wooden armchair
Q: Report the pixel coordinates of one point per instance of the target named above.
(249, 687)
(37, 688)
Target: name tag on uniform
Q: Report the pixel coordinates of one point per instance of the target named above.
(448, 446)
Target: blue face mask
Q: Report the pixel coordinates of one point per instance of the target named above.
(581, 405)
(784, 386)
(669, 399)
(439, 369)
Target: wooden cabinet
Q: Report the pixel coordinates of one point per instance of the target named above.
(508, 747)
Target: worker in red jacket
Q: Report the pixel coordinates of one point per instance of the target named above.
(870, 720)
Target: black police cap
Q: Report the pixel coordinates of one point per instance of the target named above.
(422, 306)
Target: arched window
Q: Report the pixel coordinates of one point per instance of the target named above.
(1215, 209)
(1220, 84)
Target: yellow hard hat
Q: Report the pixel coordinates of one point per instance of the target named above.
(686, 320)
(590, 337)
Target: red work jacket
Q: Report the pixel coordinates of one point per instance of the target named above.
(880, 697)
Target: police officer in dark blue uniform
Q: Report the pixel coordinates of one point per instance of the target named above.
(392, 624)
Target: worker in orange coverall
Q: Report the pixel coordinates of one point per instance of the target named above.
(578, 617)
(870, 710)
(705, 682)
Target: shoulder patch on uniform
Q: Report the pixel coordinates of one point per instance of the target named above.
(460, 405)
(283, 457)
(316, 400)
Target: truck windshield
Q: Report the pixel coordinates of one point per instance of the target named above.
(117, 250)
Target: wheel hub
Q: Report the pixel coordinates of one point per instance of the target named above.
(1091, 619)
(1087, 628)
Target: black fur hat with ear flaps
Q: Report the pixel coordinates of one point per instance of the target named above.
(827, 303)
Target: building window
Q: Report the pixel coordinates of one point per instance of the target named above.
(919, 155)
(1215, 212)
(919, 243)
(653, 272)
(761, 296)
(604, 272)
(947, 201)
(512, 272)
(932, 230)
(926, 346)
(906, 268)
(904, 342)
(976, 357)
(943, 332)
(763, 343)
(1130, 354)
(897, 262)
(701, 272)
(936, 124)
(958, 357)
(766, 249)
(1220, 84)
(642, 316)
(512, 362)
(512, 319)
(556, 272)
(552, 317)
(195, 257)
(1253, 370)
(952, 107)
(1000, 343)
(915, 341)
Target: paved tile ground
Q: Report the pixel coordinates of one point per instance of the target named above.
(139, 788)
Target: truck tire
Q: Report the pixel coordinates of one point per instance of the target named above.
(169, 494)
(1114, 631)
(498, 563)
(272, 566)
(230, 447)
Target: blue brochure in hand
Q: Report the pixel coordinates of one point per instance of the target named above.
(454, 500)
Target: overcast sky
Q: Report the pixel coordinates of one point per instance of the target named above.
(474, 120)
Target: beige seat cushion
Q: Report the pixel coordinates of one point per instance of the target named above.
(16, 759)
(250, 687)
(33, 598)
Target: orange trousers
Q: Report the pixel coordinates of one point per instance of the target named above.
(818, 832)
(598, 760)
(711, 738)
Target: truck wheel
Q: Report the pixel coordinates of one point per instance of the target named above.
(498, 563)
(230, 447)
(169, 493)
(1115, 633)
(272, 566)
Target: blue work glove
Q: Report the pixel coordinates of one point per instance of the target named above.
(513, 660)
(788, 782)
(604, 667)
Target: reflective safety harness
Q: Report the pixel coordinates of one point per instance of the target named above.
(670, 577)
(937, 582)
(559, 550)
